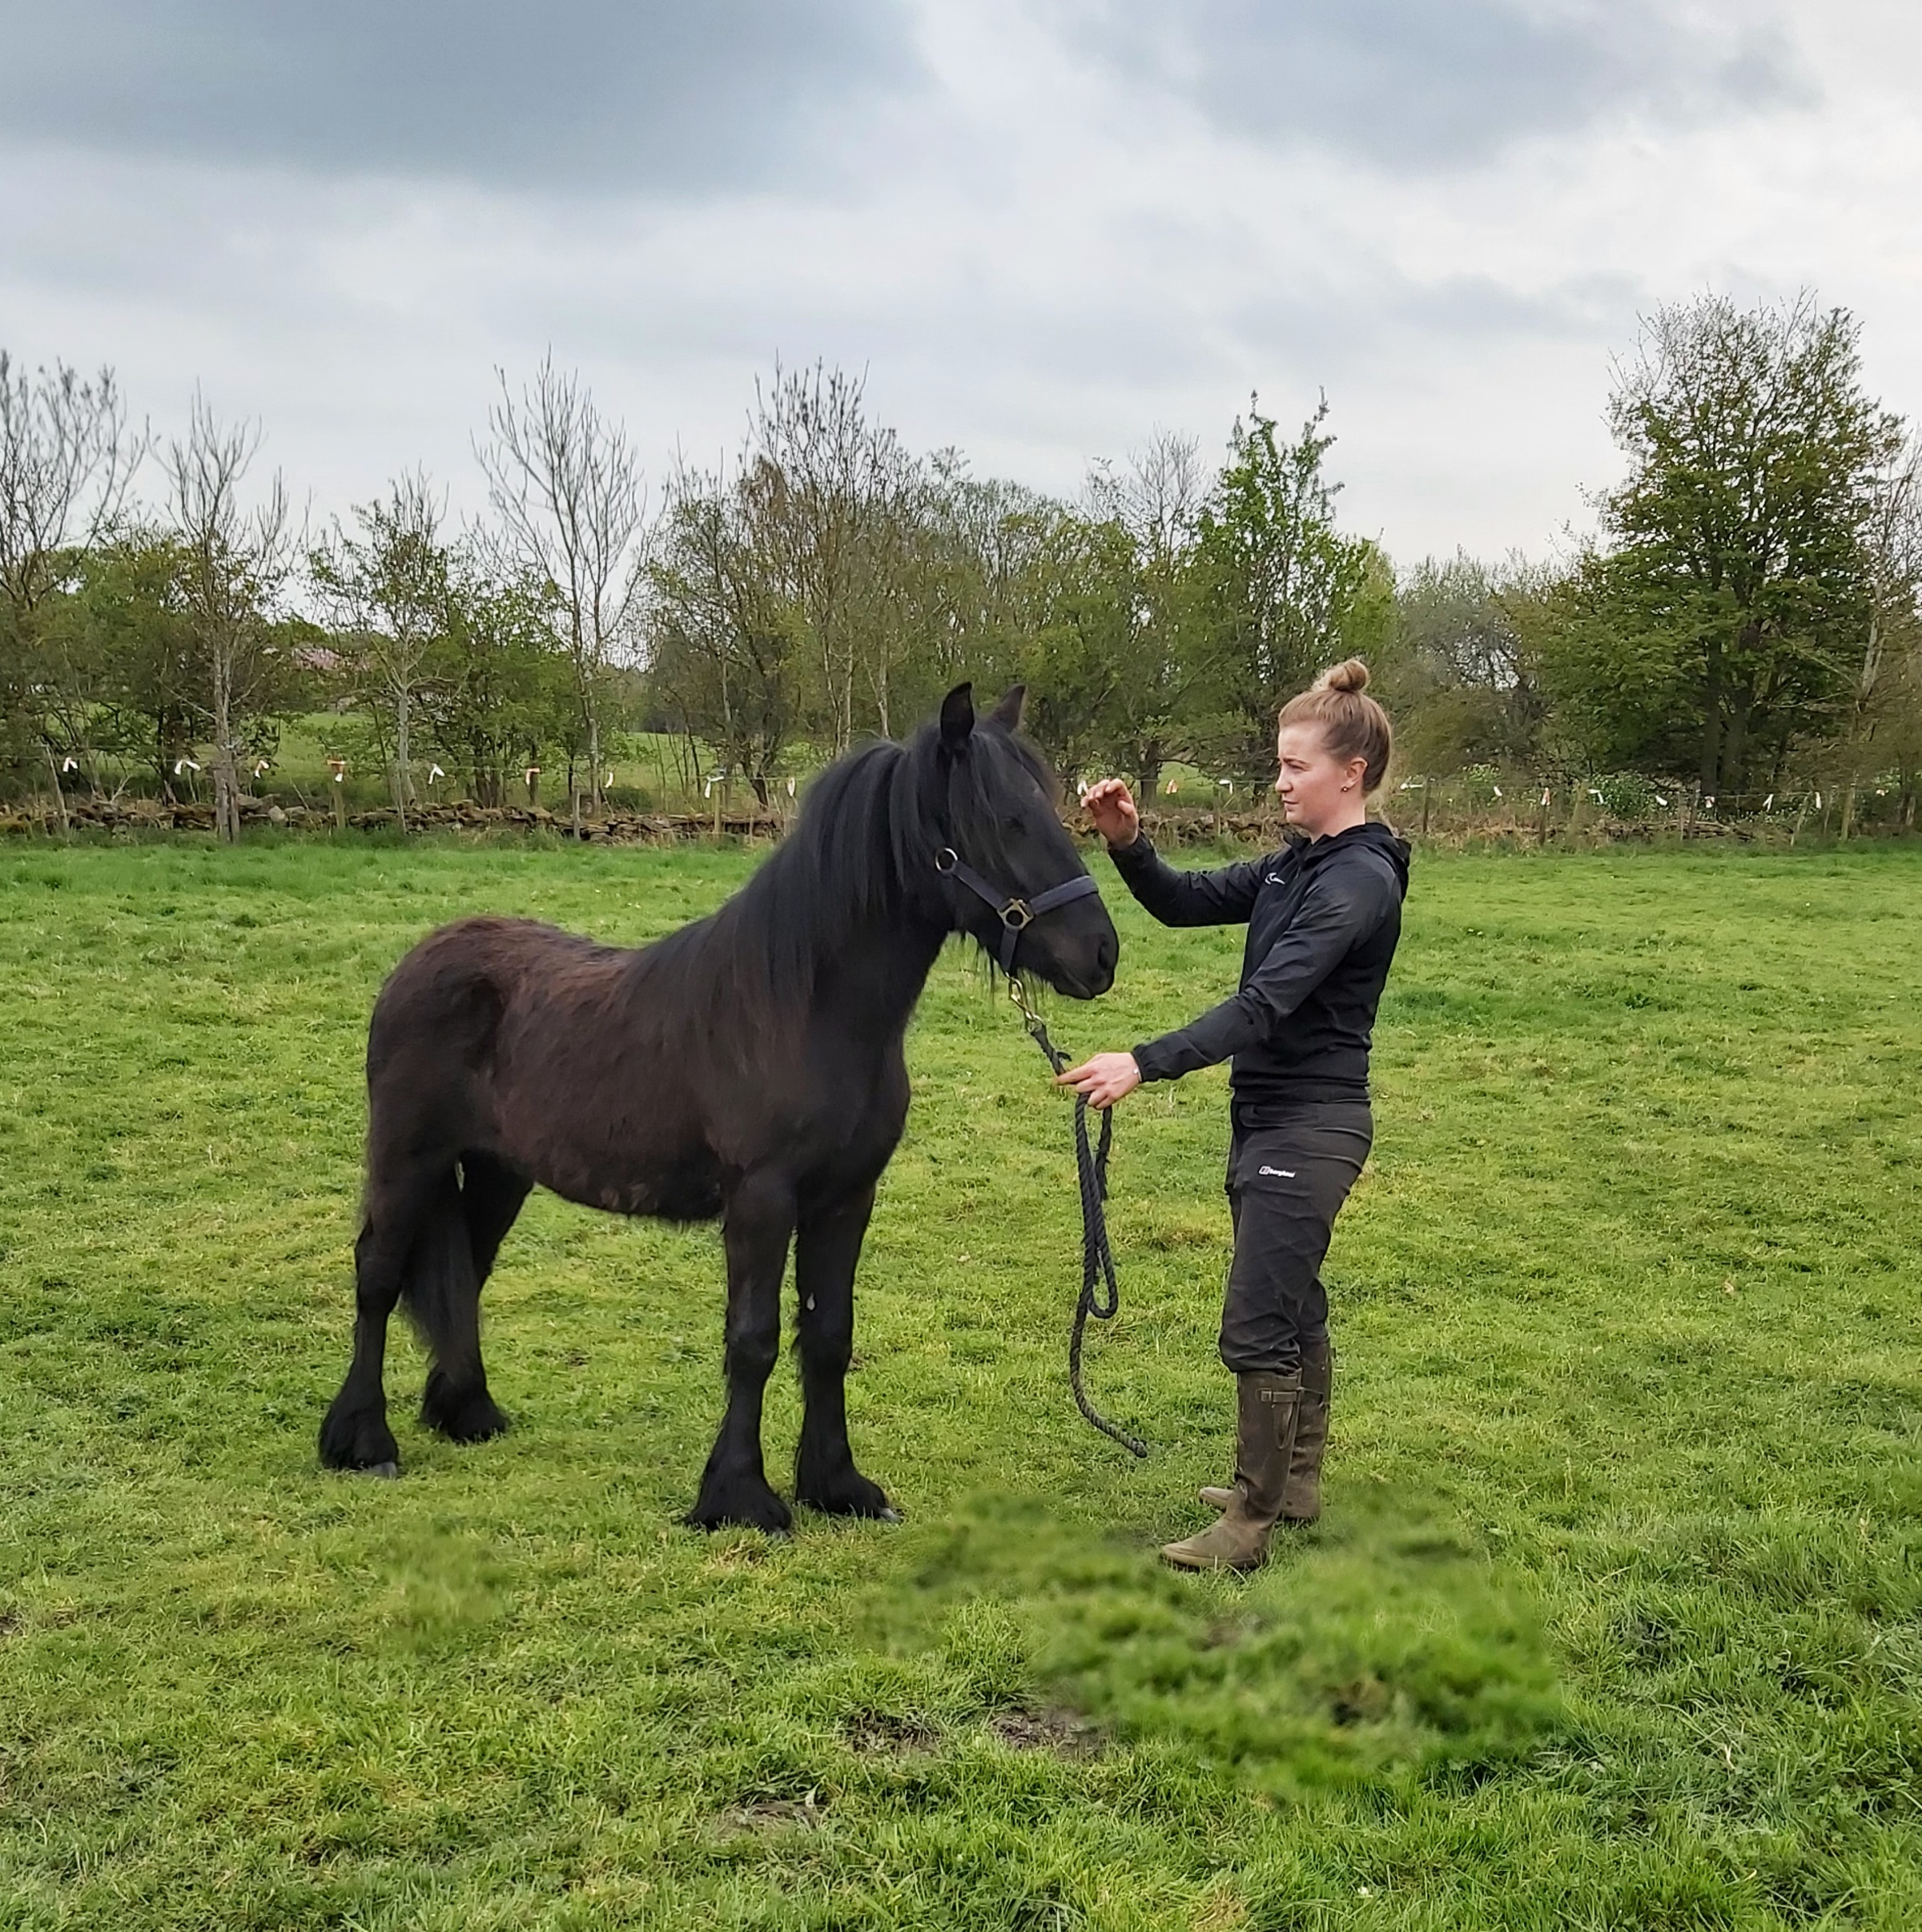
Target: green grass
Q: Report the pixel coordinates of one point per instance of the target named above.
(1616, 1619)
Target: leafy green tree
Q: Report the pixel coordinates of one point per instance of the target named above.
(1288, 592)
(1156, 500)
(388, 580)
(501, 684)
(67, 458)
(728, 652)
(1460, 669)
(1885, 720)
(1734, 584)
(121, 672)
(1081, 638)
(975, 575)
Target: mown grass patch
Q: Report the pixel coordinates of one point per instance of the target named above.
(1616, 1619)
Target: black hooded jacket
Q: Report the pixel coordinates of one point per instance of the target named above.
(1323, 918)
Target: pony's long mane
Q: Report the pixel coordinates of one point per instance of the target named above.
(842, 866)
(870, 824)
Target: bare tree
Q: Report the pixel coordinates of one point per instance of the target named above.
(389, 583)
(66, 456)
(837, 490)
(1156, 496)
(236, 565)
(724, 644)
(568, 488)
(1156, 501)
(1892, 558)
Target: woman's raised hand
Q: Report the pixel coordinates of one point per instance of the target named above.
(1108, 802)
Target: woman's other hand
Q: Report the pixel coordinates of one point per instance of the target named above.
(1109, 1076)
(1110, 805)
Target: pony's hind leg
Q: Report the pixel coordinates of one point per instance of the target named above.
(355, 1435)
(452, 1262)
(733, 1486)
(826, 1250)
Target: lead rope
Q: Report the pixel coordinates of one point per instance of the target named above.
(1100, 1292)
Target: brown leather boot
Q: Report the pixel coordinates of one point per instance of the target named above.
(1267, 1409)
(1301, 1496)
(1301, 1500)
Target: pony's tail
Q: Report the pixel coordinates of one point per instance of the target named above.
(441, 1290)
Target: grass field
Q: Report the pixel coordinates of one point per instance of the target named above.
(1616, 1619)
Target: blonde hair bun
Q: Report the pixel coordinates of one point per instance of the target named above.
(1352, 723)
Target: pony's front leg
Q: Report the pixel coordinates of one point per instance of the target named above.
(733, 1486)
(826, 1249)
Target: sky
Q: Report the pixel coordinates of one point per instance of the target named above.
(1044, 229)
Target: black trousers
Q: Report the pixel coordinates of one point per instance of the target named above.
(1286, 1183)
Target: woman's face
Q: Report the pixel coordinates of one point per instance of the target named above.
(1318, 792)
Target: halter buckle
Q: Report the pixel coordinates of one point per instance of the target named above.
(1016, 914)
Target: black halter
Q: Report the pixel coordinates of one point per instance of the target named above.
(1015, 915)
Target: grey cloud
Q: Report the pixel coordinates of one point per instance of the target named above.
(1349, 339)
(1422, 84)
(666, 95)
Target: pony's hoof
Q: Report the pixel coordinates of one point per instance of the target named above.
(741, 1506)
(847, 1493)
(357, 1439)
(464, 1415)
(387, 1471)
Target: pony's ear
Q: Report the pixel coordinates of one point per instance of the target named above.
(957, 717)
(1008, 713)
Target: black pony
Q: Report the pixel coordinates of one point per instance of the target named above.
(749, 1067)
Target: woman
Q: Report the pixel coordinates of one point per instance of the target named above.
(1323, 916)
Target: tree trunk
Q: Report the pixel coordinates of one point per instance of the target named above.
(1712, 721)
(593, 755)
(403, 756)
(1735, 748)
(226, 815)
(59, 796)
